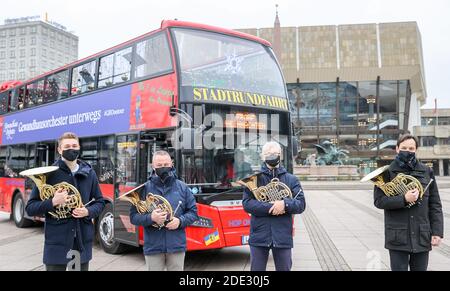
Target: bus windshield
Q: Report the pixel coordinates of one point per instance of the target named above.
(213, 60)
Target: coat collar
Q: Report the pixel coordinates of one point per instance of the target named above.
(274, 172)
(84, 169)
(419, 168)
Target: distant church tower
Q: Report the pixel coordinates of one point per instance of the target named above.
(277, 36)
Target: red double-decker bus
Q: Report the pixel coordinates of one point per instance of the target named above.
(209, 96)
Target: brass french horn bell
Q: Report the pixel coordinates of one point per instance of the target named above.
(400, 185)
(274, 191)
(46, 191)
(150, 203)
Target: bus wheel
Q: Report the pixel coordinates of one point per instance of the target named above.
(105, 230)
(18, 212)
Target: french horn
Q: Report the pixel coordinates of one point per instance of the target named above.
(274, 191)
(150, 203)
(400, 185)
(46, 191)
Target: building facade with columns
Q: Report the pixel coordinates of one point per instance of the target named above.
(359, 85)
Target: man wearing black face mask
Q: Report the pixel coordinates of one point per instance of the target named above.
(411, 232)
(271, 225)
(75, 232)
(164, 248)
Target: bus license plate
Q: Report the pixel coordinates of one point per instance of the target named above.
(245, 239)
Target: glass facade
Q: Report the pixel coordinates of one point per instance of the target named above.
(363, 118)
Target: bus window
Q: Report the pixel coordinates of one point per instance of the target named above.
(115, 68)
(152, 56)
(35, 94)
(99, 153)
(21, 94)
(31, 156)
(2, 161)
(4, 102)
(83, 78)
(56, 86)
(126, 161)
(16, 160)
(27, 102)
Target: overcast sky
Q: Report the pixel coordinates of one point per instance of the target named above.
(101, 24)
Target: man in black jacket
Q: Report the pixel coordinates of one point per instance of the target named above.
(410, 232)
(77, 232)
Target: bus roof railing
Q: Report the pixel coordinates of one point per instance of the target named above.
(164, 24)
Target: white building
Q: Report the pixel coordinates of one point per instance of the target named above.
(30, 46)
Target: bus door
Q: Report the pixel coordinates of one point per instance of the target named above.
(45, 154)
(126, 179)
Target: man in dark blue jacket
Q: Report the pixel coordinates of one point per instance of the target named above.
(77, 232)
(271, 226)
(165, 247)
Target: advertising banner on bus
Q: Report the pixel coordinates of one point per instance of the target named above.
(138, 106)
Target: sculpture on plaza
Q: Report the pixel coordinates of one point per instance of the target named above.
(328, 154)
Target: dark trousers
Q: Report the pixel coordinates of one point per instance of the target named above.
(61, 268)
(401, 260)
(260, 255)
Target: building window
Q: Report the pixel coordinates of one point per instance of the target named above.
(12, 76)
(44, 52)
(23, 30)
(44, 40)
(33, 40)
(22, 76)
(444, 120)
(12, 32)
(2, 66)
(428, 121)
(22, 53)
(2, 54)
(52, 44)
(12, 54)
(33, 29)
(12, 43)
(22, 65)
(33, 52)
(2, 43)
(33, 63)
(12, 65)
(22, 41)
(348, 106)
(428, 141)
(3, 33)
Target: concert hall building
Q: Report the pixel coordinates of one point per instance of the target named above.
(359, 86)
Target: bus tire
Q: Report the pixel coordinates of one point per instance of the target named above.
(105, 232)
(18, 212)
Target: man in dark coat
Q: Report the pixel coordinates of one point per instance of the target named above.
(411, 231)
(271, 225)
(165, 247)
(75, 233)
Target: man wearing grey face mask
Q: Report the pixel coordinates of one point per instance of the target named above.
(271, 225)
